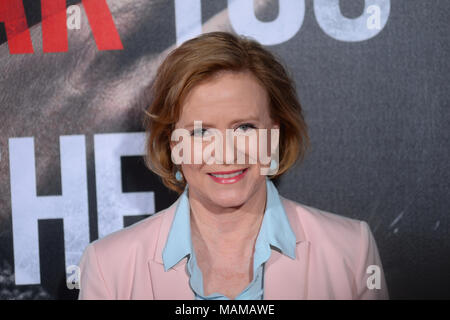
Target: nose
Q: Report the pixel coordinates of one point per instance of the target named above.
(230, 148)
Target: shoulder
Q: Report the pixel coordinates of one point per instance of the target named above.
(111, 266)
(326, 229)
(138, 239)
(340, 248)
(314, 218)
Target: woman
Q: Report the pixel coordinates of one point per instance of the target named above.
(230, 235)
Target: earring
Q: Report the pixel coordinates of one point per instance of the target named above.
(178, 175)
(273, 165)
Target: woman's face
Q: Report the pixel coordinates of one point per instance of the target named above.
(234, 101)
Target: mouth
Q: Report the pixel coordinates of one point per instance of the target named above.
(225, 177)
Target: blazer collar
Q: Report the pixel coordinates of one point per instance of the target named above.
(284, 277)
(275, 230)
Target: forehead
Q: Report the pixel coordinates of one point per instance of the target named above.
(225, 96)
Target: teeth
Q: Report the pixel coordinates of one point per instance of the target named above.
(230, 175)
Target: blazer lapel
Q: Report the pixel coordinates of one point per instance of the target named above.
(286, 278)
(172, 284)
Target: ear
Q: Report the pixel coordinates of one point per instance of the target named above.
(275, 124)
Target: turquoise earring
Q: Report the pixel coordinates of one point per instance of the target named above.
(273, 165)
(178, 175)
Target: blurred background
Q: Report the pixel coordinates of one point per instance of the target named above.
(372, 77)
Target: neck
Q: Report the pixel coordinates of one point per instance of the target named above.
(228, 230)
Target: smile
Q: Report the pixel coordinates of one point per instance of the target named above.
(231, 177)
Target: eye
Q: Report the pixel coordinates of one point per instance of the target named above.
(245, 126)
(198, 132)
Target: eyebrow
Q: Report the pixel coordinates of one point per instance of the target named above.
(204, 124)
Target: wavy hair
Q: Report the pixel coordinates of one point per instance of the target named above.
(195, 61)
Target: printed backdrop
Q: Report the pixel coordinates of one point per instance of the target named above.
(372, 77)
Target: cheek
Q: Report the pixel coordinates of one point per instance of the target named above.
(256, 149)
(263, 148)
(197, 151)
(191, 172)
(247, 149)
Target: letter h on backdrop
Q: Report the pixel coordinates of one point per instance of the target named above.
(72, 205)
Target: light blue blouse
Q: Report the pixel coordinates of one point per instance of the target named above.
(275, 231)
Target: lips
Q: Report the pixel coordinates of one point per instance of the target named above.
(226, 172)
(225, 177)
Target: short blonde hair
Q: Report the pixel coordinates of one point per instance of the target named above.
(195, 61)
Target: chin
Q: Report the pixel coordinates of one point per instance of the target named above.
(229, 198)
(232, 196)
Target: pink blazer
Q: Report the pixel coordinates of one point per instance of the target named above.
(332, 257)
